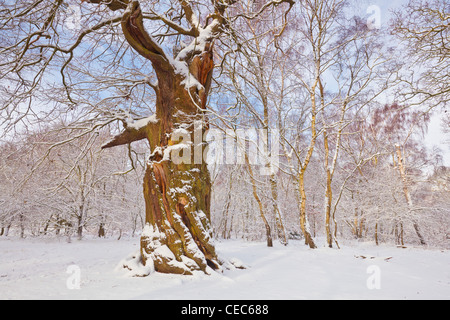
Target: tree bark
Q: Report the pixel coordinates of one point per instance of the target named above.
(407, 194)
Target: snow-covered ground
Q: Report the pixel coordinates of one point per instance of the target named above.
(48, 269)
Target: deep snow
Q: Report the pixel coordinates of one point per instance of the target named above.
(37, 269)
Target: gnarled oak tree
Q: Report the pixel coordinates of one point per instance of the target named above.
(177, 236)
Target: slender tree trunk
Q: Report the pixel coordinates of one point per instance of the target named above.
(401, 234)
(22, 225)
(406, 192)
(281, 230)
(80, 225)
(328, 192)
(329, 170)
(304, 225)
(376, 233)
(258, 200)
(7, 230)
(303, 218)
(355, 224)
(335, 230)
(101, 230)
(225, 233)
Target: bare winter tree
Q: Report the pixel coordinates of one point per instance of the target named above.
(338, 66)
(253, 72)
(70, 191)
(424, 28)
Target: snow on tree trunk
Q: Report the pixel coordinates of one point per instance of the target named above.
(177, 236)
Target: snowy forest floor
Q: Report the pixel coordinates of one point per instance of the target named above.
(37, 269)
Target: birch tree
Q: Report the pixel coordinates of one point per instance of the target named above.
(359, 65)
(253, 71)
(424, 30)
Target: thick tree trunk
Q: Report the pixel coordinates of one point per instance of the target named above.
(376, 233)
